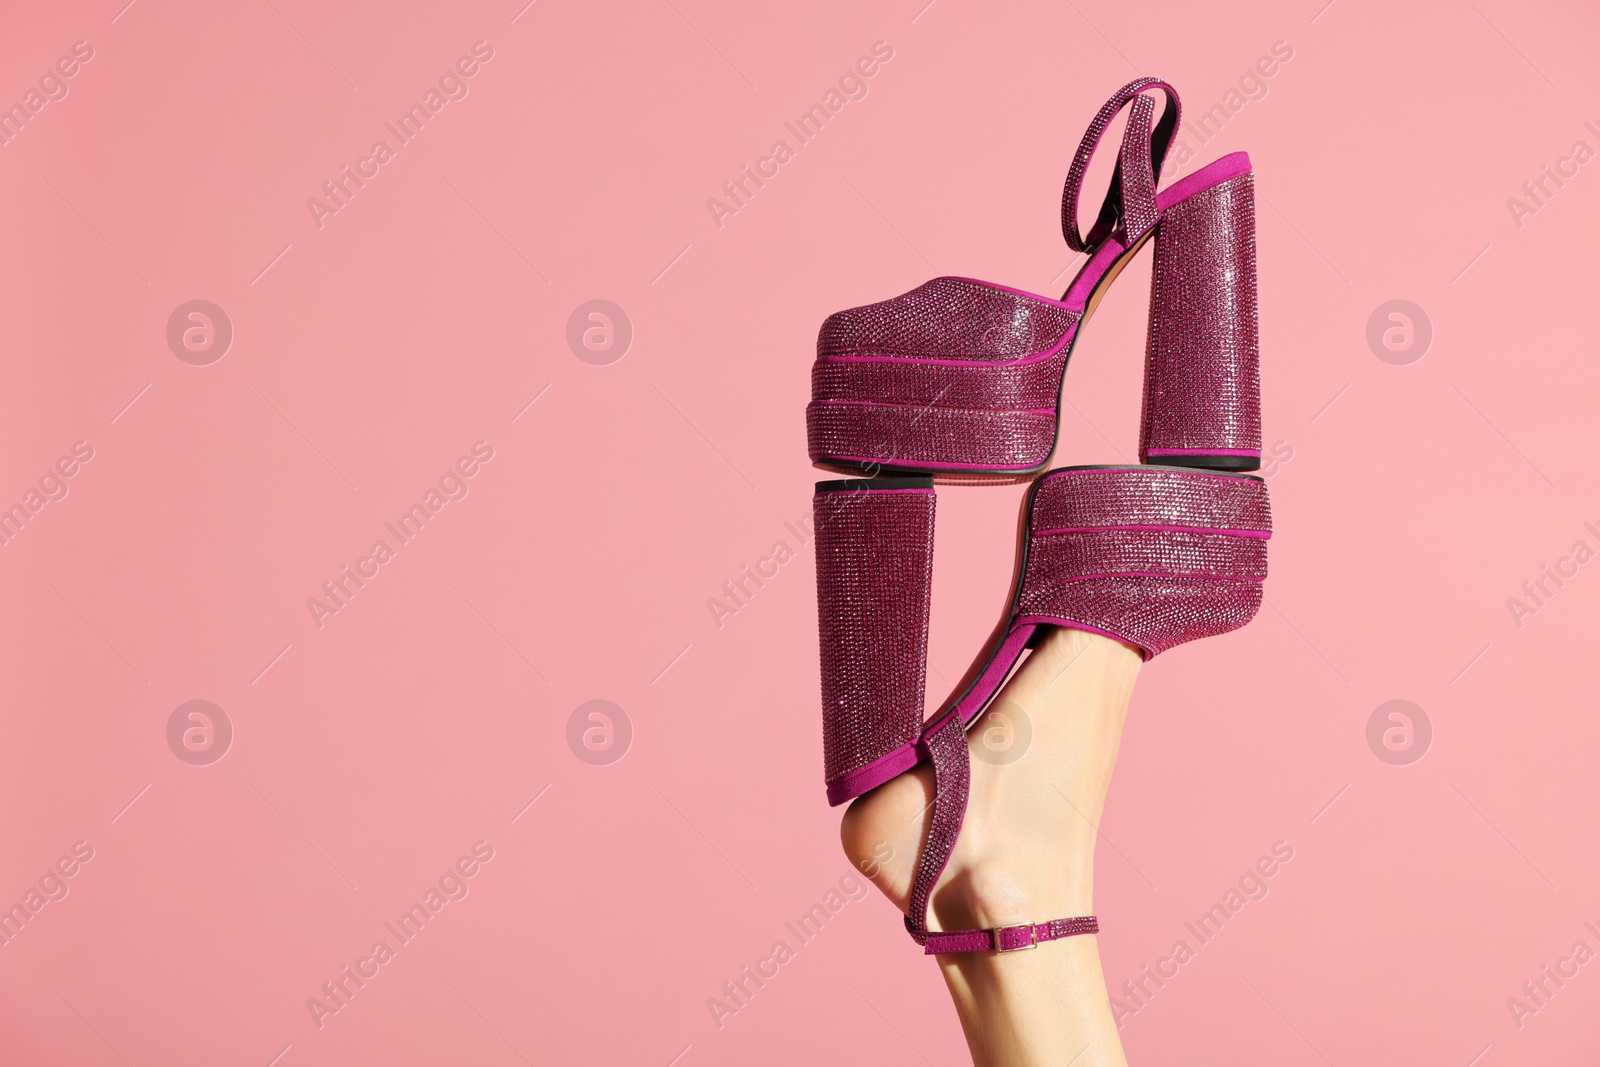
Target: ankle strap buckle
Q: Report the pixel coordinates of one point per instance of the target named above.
(1014, 943)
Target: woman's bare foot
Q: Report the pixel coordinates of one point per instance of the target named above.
(1042, 758)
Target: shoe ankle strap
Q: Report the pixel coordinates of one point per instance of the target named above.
(1131, 198)
(947, 751)
(1004, 938)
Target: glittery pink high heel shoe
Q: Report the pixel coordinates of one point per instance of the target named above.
(1152, 556)
(964, 377)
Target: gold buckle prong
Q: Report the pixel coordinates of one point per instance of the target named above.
(1032, 939)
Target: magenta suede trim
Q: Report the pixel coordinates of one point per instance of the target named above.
(922, 465)
(1203, 452)
(994, 675)
(890, 765)
(1160, 574)
(1215, 173)
(924, 407)
(1261, 534)
(1025, 361)
(1186, 471)
(1077, 294)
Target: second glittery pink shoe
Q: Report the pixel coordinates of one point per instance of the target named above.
(1152, 556)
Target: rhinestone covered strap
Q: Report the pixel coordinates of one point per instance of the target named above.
(952, 774)
(1113, 207)
(1009, 938)
(1139, 211)
(947, 746)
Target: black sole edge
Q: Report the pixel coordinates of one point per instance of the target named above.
(857, 485)
(926, 481)
(1214, 463)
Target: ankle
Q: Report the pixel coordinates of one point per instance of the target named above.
(983, 893)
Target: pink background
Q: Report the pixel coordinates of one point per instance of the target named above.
(369, 354)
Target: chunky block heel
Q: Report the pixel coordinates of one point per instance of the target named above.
(1202, 388)
(874, 546)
